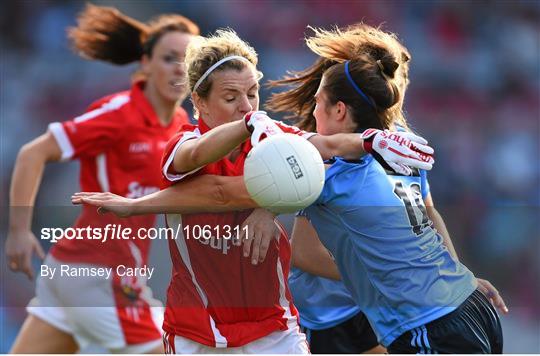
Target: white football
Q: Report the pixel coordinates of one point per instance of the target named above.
(284, 173)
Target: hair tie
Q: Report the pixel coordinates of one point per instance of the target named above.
(356, 87)
(381, 67)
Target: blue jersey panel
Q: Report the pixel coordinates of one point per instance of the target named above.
(389, 256)
(322, 303)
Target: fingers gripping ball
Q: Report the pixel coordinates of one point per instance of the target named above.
(284, 173)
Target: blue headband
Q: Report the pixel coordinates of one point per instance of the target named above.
(356, 87)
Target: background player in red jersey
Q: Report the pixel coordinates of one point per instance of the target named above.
(119, 141)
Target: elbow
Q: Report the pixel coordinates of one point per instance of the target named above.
(195, 157)
(198, 156)
(29, 153)
(226, 199)
(187, 162)
(232, 194)
(220, 197)
(42, 150)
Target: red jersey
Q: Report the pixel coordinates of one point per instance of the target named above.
(216, 296)
(119, 142)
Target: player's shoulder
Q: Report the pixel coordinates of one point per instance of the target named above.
(112, 101)
(106, 108)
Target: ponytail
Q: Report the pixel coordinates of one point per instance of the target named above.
(104, 33)
(364, 67)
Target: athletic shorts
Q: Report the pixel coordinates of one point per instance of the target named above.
(115, 313)
(353, 336)
(473, 328)
(291, 341)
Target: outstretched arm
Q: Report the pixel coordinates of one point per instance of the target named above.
(204, 193)
(218, 142)
(394, 150)
(199, 194)
(210, 147)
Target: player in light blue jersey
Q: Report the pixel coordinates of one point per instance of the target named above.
(416, 295)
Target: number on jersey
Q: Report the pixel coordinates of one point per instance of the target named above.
(411, 197)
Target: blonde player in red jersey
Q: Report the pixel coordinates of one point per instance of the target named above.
(119, 142)
(218, 298)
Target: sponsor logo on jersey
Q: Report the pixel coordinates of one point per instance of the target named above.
(220, 243)
(135, 190)
(140, 147)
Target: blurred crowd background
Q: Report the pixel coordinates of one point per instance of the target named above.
(475, 92)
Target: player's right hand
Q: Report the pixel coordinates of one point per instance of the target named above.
(257, 233)
(259, 124)
(20, 246)
(105, 202)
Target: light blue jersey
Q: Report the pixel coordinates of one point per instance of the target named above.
(390, 258)
(324, 303)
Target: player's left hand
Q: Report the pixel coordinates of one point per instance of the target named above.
(259, 124)
(257, 233)
(492, 294)
(105, 202)
(398, 150)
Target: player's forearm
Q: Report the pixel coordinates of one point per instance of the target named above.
(206, 193)
(346, 145)
(25, 182)
(212, 146)
(439, 224)
(317, 262)
(308, 253)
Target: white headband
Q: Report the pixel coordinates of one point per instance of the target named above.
(217, 64)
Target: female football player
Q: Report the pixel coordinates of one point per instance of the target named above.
(119, 141)
(416, 295)
(332, 321)
(249, 306)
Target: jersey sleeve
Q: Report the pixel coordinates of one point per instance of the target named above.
(295, 130)
(424, 184)
(91, 133)
(169, 175)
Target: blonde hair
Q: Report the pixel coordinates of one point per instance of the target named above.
(203, 52)
(378, 64)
